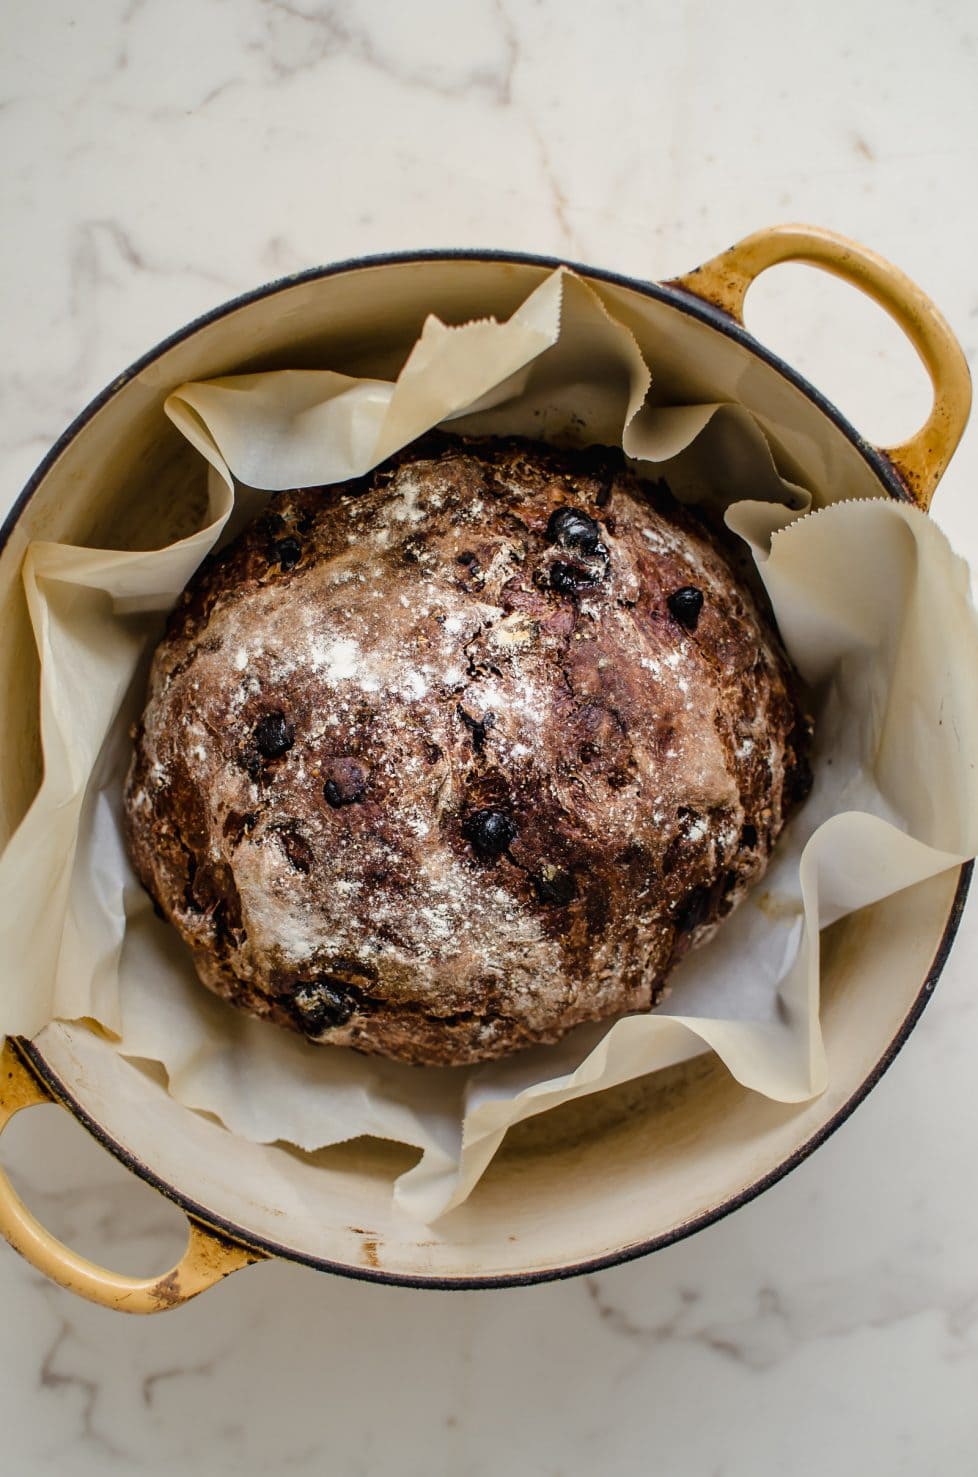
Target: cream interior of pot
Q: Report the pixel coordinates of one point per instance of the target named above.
(585, 1181)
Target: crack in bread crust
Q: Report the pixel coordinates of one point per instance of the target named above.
(428, 766)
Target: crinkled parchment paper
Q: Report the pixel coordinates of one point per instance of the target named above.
(873, 607)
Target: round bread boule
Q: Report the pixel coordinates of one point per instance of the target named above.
(448, 760)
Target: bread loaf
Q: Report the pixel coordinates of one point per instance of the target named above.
(448, 760)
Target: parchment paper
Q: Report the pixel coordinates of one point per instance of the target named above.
(874, 610)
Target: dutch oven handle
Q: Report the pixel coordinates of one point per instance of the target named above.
(208, 1257)
(724, 281)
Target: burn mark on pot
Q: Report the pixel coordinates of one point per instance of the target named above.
(370, 1246)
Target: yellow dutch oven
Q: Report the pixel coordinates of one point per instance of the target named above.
(601, 1180)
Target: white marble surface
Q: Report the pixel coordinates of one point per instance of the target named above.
(162, 155)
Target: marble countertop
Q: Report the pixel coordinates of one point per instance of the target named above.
(160, 156)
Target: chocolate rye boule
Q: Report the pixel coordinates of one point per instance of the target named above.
(444, 761)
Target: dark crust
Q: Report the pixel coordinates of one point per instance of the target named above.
(436, 652)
